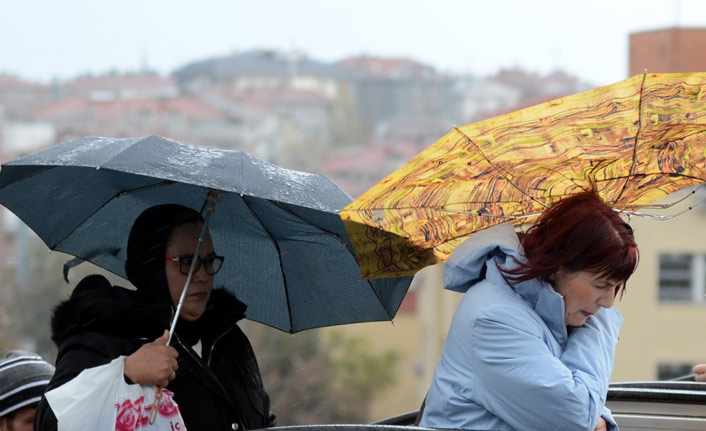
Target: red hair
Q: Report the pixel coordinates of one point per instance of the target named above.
(578, 233)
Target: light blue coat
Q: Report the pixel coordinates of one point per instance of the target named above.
(507, 363)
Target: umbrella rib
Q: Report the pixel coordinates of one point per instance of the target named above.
(498, 169)
(279, 256)
(38, 172)
(337, 236)
(106, 202)
(610, 179)
(637, 138)
(446, 210)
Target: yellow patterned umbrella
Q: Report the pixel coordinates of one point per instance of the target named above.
(634, 142)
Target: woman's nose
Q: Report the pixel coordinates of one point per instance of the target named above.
(607, 299)
(200, 273)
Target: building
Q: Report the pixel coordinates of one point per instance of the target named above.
(182, 118)
(665, 309)
(664, 306)
(261, 70)
(668, 50)
(115, 86)
(19, 98)
(356, 169)
(309, 99)
(387, 88)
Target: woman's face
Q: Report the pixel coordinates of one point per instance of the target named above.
(584, 294)
(183, 244)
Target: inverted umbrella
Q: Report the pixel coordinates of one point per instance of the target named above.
(287, 255)
(633, 142)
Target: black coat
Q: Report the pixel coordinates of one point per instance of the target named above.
(100, 322)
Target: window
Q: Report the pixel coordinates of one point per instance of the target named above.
(682, 277)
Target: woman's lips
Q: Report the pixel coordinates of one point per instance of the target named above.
(586, 313)
(198, 295)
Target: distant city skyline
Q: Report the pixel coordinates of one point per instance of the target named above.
(42, 40)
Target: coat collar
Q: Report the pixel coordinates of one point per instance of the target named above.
(477, 259)
(547, 303)
(97, 306)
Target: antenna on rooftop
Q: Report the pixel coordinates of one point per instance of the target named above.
(144, 62)
(677, 13)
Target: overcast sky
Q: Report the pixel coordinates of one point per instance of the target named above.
(45, 39)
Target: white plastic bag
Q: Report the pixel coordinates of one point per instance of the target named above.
(100, 399)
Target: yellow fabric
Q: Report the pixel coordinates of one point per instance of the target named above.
(635, 141)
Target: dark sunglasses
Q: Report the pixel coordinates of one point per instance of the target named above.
(211, 264)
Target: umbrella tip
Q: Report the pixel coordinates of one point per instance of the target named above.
(393, 322)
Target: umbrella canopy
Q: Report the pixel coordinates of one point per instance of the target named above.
(634, 142)
(287, 255)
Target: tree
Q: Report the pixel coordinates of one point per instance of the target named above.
(346, 127)
(320, 376)
(28, 303)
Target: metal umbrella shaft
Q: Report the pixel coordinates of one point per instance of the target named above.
(210, 206)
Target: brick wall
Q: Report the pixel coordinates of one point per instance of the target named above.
(668, 50)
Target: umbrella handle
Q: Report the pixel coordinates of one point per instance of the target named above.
(155, 405)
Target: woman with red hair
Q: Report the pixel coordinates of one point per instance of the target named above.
(531, 344)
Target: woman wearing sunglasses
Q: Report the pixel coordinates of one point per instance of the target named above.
(209, 366)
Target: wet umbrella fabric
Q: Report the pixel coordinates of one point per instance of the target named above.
(634, 142)
(287, 253)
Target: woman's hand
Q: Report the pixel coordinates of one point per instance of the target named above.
(154, 363)
(700, 371)
(602, 425)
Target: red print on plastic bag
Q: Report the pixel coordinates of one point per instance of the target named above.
(130, 415)
(134, 416)
(167, 406)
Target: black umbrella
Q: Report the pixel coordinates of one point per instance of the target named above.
(288, 256)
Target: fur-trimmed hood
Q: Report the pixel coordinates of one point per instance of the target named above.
(97, 306)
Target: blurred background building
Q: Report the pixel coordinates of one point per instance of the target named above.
(673, 49)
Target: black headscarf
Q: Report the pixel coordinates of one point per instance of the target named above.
(146, 248)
